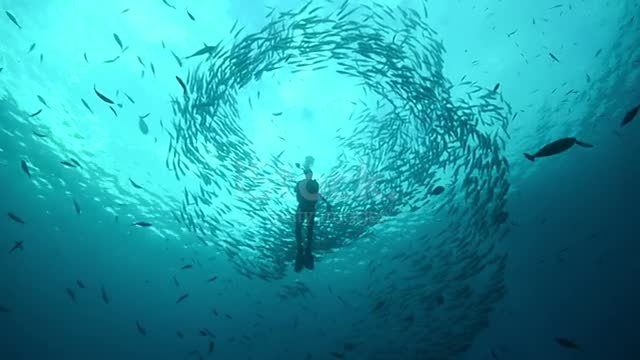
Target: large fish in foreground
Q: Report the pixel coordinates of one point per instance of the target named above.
(556, 147)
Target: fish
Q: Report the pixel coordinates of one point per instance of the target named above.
(134, 184)
(33, 46)
(42, 100)
(4, 309)
(85, 58)
(163, 45)
(13, 19)
(567, 343)
(141, 62)
(36, 113)
(117, 38)
(630, 115)
(80, 284)
(495, 88)
(556, 147)
(494, 355)
(437, 190)
(228, 316)
(41, 57)
(202, 333)
(113, 111)
(86, 105)
(512, 33)
(142, 125)
(211, 346)
(212, 279)
(129, 98)
(277, 114)
(141, 224)
(72, 295)
(76, 206)
(112, 60)
(39, 134)
(141, 330)
(15, 218)
(204, 51)
(17, 245)
(554, 57)
(336, 355)
(102, 97)
(181, 298)
(144, 116)
(67, 164)
(169, 5)
(186, 267)
(184, 87)
(125, 11)
(598, 53)
(175, 281)
(180, 334)
(190, 16)
(75, 162)
(1, 68)
(105, 296)
(25, 168)
(153, 69)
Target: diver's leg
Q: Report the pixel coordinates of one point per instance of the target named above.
(298, 231)
(309, 261)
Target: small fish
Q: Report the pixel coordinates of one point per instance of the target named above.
(212, 279)
(42, 100)
(184, 87)
(437, 190)
(80, 284)
(41, 57)
(141, 224)
(86, 105)
(25, 168)
(630, 115)
(277, 114)
(180, 334)
(76, 206)
(190, 16)
(17, 245)
(211, 346)
(494, 355)
(567, 343)
(169, 5)
(125, 11)
(598, 53)
(117, 38)
(181, 298)
(33, 46)
(102, 97)
(13, 19)
(202, 333)
(228, 316)
(67, 164)
(153, 69)
(75, 162)
(144, 128)
(495, 88)
(512, 33)
(105, 297)
(36, 113)
(141, 330)
(130, 99)
(1, 68)
(163, 45)
(555, 6)
(72, 295)
(141, 62)
(39, 134)
(175, 281)
(556, 147)
(554, 57)
(113, 111)
(588, 78)
(186, 267)
(4, 309)
(336, 355)
(15, 218)
(112, 60)
(134, 184)
(177, 58)
(205, 50)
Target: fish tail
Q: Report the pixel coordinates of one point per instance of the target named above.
(529, 157)
(583, 144)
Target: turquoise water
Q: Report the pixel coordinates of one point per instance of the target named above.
(392, 100)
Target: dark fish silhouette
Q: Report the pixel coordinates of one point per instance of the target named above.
(554, 57)
(184, 87)
(113, 111)
(85, 58)
(25, 167)
(211, 346)
(17, 245)
(130, 99)
(72, 295)
(212, 279)
(153, 69)
(41, 99)
(135, 185)
(141, 224)
(228, 316)
(141, 330)
(74, 161)
(567, 343)
(36, 113)
(598, 52)
(495, 88)
(13, 19)
(76, 206)
(105, 296)
(181, 298)
(169, 5)
(39, 134)
(15, 218)
(180, 335)
(437, 190)
(144, 128)
(556, 147)
(4, 309)
(186, 267)
(109, 61)
(494, 355)
(336, 355)
(102, 97)
(117, 38)
(80, 284)
(125, 11)
(175, 281)
(190, 16)
(67, 164)
(630, 115)
(86, 105)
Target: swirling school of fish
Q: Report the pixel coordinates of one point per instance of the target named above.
(415, 138)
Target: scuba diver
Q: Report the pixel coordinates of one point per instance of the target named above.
(308, 195)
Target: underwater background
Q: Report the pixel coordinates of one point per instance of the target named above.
(148, 156)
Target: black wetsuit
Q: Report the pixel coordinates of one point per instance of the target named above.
(306, 210)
